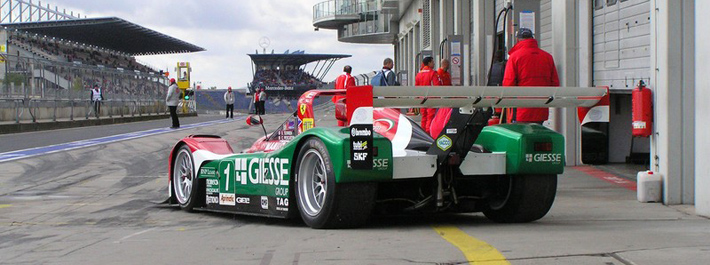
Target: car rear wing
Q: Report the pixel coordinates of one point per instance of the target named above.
(485, 96)
(471, 97)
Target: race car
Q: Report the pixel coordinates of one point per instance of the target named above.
(383, 162)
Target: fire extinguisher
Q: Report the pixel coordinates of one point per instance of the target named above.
(642, 108)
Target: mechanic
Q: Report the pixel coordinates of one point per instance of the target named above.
(529, 65)
(229, 100)
(344, 81)
(443, 114)
(172, 99)
(427, 77)
(389, 75)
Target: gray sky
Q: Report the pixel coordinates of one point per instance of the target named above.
(229, 29)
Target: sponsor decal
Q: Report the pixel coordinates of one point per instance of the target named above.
(264, 171)
(381, 163)
(282, 204)
(274, 145)
(303, 109)
(544, 158)
(264, 202)
(208, 171)
(243, 200)
(211, 199)
(360, 145)
(308, 124)
(361, 155)
(451, 131)
(360, 132)
(227, 199)
(444, 143)
(212, 187)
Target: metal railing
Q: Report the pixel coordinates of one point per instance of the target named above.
(374, 22)
(333, 8)
(33, 89)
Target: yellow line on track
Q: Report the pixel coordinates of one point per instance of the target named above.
(476, 251)
(5, 205)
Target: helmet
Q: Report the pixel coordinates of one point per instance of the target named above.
(172, 80)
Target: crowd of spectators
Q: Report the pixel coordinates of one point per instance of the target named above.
(295, 77)
(80, 67)
(62, 51)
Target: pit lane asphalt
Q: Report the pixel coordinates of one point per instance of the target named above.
(95, 205)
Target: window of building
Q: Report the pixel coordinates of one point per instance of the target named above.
(598, 4)
(610, 2)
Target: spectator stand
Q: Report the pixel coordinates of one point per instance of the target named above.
(288, 75)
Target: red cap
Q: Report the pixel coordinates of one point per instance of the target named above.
(172, 80)
(229, 88)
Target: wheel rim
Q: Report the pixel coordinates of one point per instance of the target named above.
(313, 182)
(183, 176)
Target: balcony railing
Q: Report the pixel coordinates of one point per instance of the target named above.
(333, 8)
(370, 24)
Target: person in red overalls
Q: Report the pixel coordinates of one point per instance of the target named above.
(442, 116)
(344, 81)
(427, 77)
(528, 65)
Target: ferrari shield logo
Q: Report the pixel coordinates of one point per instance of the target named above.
(444, 143)
(303, 109)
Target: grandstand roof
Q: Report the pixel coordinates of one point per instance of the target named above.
(111, 33)
(296, 58)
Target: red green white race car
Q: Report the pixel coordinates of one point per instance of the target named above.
(336, 177)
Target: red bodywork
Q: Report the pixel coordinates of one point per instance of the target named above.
(385, 119)
(213, 144)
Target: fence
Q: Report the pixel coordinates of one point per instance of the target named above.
(32, 89)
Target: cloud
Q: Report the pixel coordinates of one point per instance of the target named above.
(230, 30)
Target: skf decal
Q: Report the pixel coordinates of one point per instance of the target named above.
(444, 143)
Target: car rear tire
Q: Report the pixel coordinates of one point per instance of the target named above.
(185, 182)
(522, 199)
(322, 202)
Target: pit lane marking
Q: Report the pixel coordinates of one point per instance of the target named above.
(475, 250)
(44, 150)
(608, 177)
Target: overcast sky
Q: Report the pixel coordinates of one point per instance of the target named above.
(229, 30)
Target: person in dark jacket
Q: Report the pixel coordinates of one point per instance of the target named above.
(528, 65)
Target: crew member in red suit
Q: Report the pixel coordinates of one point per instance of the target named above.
(442, 116)
(427, 77)
(528, 65)
(344, 81)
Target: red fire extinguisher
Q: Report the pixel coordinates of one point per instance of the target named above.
(642, 108)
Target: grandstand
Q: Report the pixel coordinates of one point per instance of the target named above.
(51, 49)
(287, 75)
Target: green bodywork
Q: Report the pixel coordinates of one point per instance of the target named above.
(518, 142)
(269, 173)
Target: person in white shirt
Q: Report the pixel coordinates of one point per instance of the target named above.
(96, 97)
(172, 99)
(262, 102)
(229, 100)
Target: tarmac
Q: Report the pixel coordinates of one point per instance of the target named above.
(100, 205)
